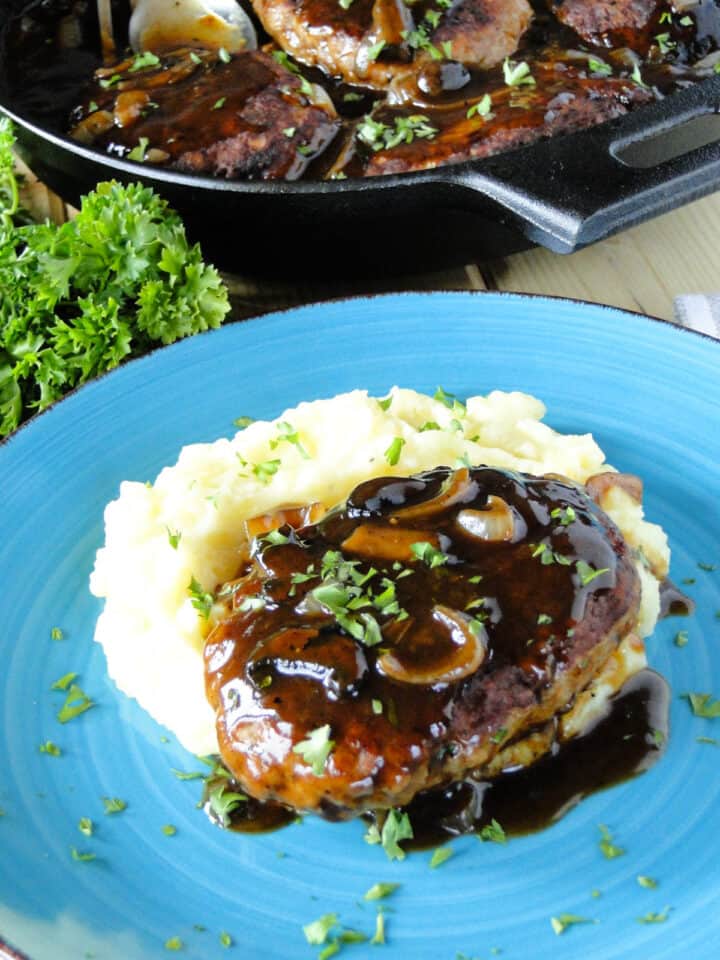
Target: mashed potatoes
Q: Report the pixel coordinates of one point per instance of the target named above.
(189, 523)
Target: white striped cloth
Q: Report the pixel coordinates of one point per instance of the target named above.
(699, 311)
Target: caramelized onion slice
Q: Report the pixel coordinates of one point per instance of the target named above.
(465, 655)
(453, 489)
(599, 484)
(383, 543)
(497, 524)
(291, 516)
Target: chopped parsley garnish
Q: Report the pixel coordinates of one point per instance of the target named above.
(169, 829)
(377, 707)
(396, 827)
(110, 81)
(345, 4)
(266, 470)
(655, 917)
(64, 682)
(482, 109)
(384, 404)
(648, 882)
(192, 775)
(587, 574)
(566, 515)
(242, 422)
(50, 748)
(219, 104)
(392, 454)
(224, 802)
(174, 943)
(564, 920)
(543, 619)
(114, 805)
(375, 50)
(492, 832)
(702, 705)
(174, 537)
(681, 638)
(450, 401)
(419, 39)
(599, 67)
(608, 848)
(379, 935)
(710, 740)
(428, 554)
(57, 634)
(284, 60)
(201, 600)
(288, 434)
(85, 826)
(76, 702)
(429, 425)
(665, 44)
(708, 567)
(440, 855)
(316, 933)
(81, 857)
(636, 77)
(316, 748)
(224, 55)
(139, 151)
(517, 74)
(378, 891)
(144, 60)
(225, 939)
(499, 735)
(548, 556)
(382, 136)
(274, 538)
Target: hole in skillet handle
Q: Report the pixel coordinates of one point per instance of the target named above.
(645, 152)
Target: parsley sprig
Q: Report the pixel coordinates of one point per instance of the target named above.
(78, 299)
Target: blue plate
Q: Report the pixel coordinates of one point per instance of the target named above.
(649, 392)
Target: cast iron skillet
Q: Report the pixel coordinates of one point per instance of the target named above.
(563, 193)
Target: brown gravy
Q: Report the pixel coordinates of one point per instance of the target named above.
(629, 740)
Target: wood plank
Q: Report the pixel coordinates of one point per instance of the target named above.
(42, 203)
(642, 269)
(252, 297)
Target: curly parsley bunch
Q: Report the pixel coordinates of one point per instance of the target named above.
(77, 299)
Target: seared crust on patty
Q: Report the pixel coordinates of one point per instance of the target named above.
(372, 41)
(401, 641)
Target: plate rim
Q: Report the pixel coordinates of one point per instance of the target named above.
(257, 319)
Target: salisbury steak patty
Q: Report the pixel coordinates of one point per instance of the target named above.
(247, 116)
(406, 638)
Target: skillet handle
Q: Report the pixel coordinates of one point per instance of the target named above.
(570, 191)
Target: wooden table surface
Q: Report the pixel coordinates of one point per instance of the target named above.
(643, 269)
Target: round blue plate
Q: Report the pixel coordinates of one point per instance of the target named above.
(649, 392)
